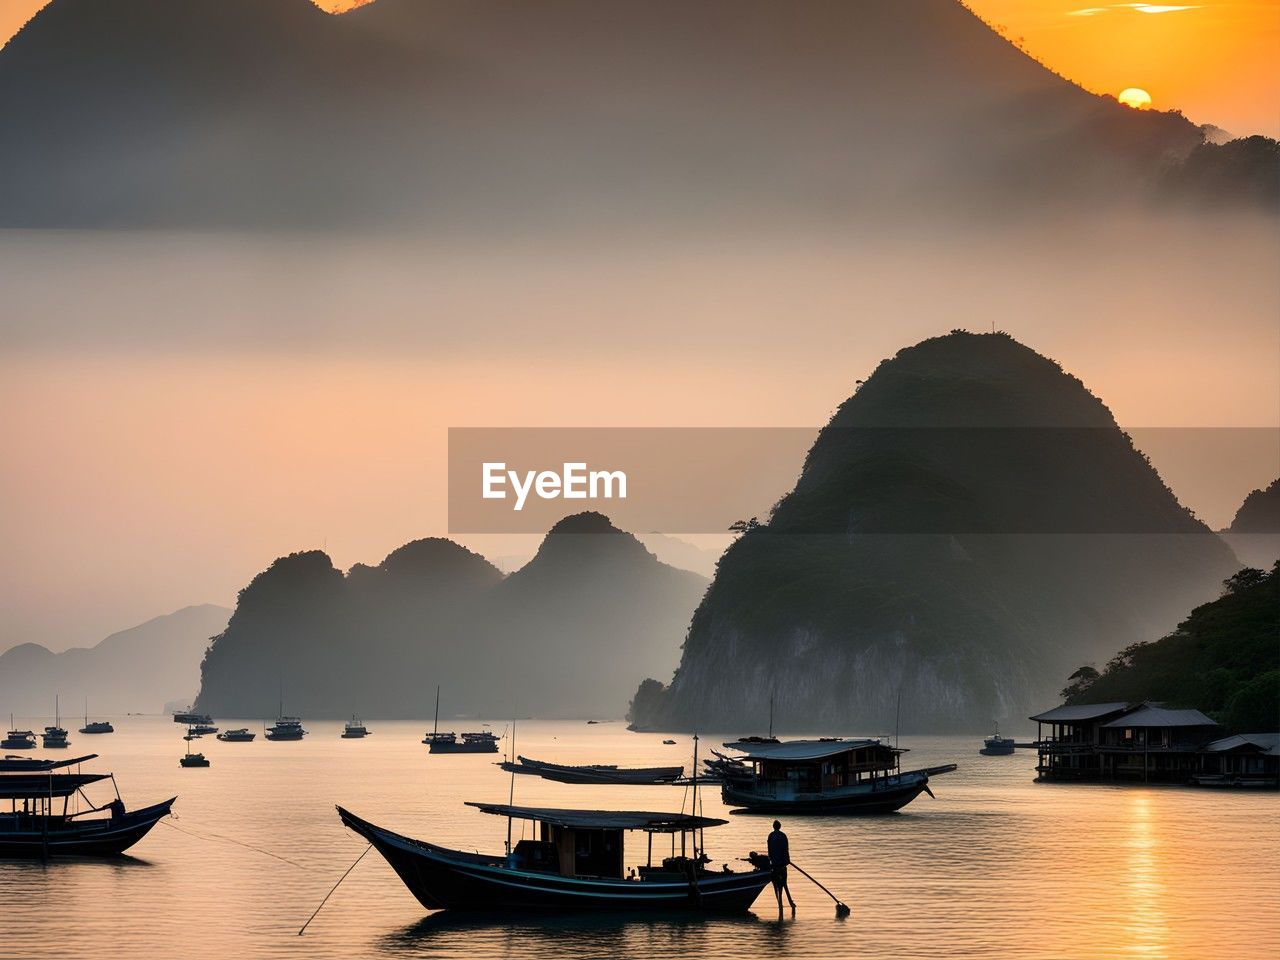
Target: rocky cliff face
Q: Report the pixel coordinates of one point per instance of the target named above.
(563, 636)
(970, 526)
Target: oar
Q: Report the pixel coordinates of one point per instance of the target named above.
(841, 909)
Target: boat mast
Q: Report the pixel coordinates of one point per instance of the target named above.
(771, 716)
(694, 811)
(511, 796)
(435, 724)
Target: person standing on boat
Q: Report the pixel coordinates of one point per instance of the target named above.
(779, 858)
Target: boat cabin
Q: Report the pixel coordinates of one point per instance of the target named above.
(816, 766)
(589, 843)
(39, 790)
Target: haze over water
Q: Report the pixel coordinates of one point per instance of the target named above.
(996, 866)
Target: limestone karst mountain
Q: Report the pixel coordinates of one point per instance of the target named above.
(562, 636)
(969, 527)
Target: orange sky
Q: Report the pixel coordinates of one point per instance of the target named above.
(1215, 60)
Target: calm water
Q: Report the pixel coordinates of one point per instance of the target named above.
(996, 866)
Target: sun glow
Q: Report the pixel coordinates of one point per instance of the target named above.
(1135, 97)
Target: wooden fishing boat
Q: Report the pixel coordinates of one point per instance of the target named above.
(576, 864)
(821, 776)
(34, 827)
(595, 773)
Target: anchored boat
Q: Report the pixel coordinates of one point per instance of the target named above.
(239, 735)
(355, 729)
(482, 741)
(192, 719)
(576, 863)
(18, 739)
(997, 746)
(820, 776)
(38, 825)
(594, 773)
(97, 726)
(286, 728)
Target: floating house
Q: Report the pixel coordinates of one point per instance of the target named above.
(1243, 760)
(1148, 743)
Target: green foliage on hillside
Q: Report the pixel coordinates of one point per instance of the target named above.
(1224, 659)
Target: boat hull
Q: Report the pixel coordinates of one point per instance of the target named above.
(634, 776)
(885, 797)
(86, 838)
(443, 879)
(480, 747)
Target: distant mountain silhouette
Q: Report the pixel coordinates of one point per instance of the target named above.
(138, 669)
(562, 636)
(680, 553)
(1223, 659)
(1254, 533)
(969, 526)
(509, 113)
(1260, 512)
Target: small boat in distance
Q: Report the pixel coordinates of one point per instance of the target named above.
(482, 741)
(18, 739)
(286, 728)
(239, 735)
(355, 729)
(97, 726)
(192, 759)
(830, 775)
(32, 828)
(192, 719)
(668, 743)
(594, 773)
(200, 729)
(997, 746)
(55, 737)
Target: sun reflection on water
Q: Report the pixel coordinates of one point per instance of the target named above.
(1146, 920)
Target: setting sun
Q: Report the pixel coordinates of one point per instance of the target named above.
(1135, 97)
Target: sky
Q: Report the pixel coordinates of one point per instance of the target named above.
(1214, 60)
(183, 410)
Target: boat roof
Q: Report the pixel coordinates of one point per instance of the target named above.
(1080, 711)
(801, 749)
(1154, 715)
(602, 819)
(31, 764)
(19, 786)
(1268, 743)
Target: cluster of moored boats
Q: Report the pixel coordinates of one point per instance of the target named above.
(567, 860)
(573, 859)
(55, 737)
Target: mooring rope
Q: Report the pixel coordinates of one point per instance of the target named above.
(335, 887)
(241, 843)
